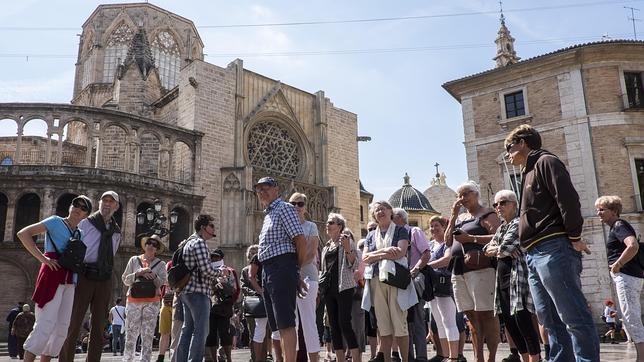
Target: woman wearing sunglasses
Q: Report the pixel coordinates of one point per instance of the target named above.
(54, 293)
(142, 309)
(512, 294)
(339, 262)
(306, 304)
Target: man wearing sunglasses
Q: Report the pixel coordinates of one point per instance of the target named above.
(282, 249)
(550, 226)
(102, 236)
(195, 296)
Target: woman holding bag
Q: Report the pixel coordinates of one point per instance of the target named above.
(339, 261)
(472, 272)
(144, 275)
(384, 248)
(54, 293)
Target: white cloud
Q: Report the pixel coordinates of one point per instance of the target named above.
(57, 88)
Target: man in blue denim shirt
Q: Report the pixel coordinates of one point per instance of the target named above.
(282, 247)
(550, 226)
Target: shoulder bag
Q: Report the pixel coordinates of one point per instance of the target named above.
(254, 306)
(143, 287)
(74, 254)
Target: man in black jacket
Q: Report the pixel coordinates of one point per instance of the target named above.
(550, 229)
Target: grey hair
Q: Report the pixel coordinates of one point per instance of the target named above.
(468, 186)
(338, 219)
(252, 251)
(610, 202)
(507, 194)
(374, 206)
(402, 213)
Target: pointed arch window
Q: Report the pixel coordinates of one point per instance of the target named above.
(116, 50)
(166, 58)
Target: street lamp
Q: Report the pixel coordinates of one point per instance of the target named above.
(155, 221)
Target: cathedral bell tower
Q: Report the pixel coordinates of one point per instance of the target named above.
(505, 53)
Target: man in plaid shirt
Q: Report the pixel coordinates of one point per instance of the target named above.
(282, 247)
(196, 294)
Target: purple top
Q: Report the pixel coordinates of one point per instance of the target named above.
(419, 244)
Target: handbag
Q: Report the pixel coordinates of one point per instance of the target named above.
(254, 307)
(476, 259)
(74, 254)
(143, 287)
(401, 279)
(442, 284)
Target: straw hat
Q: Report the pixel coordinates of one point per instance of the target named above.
(154, 237)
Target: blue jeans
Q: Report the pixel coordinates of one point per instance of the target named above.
(554, 267)
(196, 316)
(118, 338)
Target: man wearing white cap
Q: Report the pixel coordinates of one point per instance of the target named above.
(102, 236)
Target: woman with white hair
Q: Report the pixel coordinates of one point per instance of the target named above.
(622, 250)
(473, 276)
(384, 247)
(338, 263)
(513, 302)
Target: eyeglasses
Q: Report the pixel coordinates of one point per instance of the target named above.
(371, 229)
(77, 204)
(601, 210)
(465, 193)
(297, 203)
(500, 203)
(330, 222)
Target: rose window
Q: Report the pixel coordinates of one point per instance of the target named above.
(271, 148)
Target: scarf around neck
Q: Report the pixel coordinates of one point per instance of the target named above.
(385, 266)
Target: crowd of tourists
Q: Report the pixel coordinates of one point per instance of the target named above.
(514, 267)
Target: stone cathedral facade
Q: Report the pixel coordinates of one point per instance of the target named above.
(149, 118)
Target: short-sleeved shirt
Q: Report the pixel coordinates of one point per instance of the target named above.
(57, 229)
(472, 226)
(281, 225)
(310, 270)
(615, 246)
(608, 314)
(418, 244)
(400, 233)
(118, 315)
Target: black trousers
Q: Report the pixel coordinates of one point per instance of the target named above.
(519, 326)
(338, 307)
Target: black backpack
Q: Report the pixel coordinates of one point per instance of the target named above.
(73, 257)
(179, 275)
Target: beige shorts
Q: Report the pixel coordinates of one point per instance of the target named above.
(474, 290)
(391, 319)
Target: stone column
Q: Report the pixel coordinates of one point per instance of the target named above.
(99, 150)
(17, 156)
(90, 145)
(48, 149)
(9, 223)
(196, 167)
(170, 166)
(60, 148)
(321, 146)
(129, 221)
(47, 203)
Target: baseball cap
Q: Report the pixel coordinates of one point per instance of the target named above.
(266, 181)
(111, 194)
(84, 199)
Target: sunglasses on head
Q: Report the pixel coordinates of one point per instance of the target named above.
(80, 205)
(500, 203)
(297, 203)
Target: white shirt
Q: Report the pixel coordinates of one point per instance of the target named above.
(116, 318)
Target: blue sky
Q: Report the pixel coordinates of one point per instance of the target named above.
(396, 93)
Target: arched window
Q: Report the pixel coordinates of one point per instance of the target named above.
(272, 148)
(116, 49)
(27, 212)
(166, 58)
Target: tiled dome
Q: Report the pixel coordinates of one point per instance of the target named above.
(409, 198)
